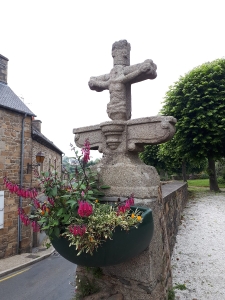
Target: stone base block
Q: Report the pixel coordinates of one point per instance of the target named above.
(146, 276)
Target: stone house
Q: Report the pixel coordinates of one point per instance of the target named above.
(20, 141)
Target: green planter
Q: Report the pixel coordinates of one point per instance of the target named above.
(123, 246)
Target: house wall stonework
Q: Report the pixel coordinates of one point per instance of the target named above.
(10, 161)
(3, 68)
(10, 164)
(51, 158)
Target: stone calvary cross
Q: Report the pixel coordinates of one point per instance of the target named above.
(119, 80)
(122, 135)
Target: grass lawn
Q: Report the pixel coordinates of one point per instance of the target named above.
(202, 183)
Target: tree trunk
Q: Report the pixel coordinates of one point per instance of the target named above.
(212, 175)
(184, 171)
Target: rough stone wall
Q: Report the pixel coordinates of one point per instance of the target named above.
(10, 157)
(174, 198)
(51, 157)
(147, 276)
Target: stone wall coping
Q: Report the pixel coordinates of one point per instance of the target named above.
(171, 187)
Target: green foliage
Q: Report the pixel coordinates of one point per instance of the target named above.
(95, 271)
(100, 226)
(71, 208)
(220, 168)
(202, 183)
(71, 164)
(85, 287)
(221, 181)
(150, 156)
(203, 176)
(180, 287)
(65, 195)
(197, 100)
(171, 294)
(164, 158)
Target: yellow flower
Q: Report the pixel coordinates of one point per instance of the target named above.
(96, 201)
(139, 218)
(91, 239)
(132, 215)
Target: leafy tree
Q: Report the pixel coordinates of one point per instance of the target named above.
(197, 100)
(150, 156)
(164, 159)
(70, 164)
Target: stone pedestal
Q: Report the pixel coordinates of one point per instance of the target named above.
(147, 276)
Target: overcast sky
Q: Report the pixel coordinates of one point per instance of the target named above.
(54, 47)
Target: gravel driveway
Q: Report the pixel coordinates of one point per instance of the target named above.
(198, 259)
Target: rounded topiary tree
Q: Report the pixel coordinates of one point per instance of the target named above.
(197, 100)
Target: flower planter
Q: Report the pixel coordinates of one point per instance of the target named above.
(123, 246)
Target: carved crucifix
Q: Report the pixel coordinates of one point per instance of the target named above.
(119, 80)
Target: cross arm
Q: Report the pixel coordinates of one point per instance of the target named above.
(99, 83)
(140, 72)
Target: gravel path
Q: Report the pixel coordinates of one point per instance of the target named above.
(198, 259)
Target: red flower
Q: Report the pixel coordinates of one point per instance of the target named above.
(36, 226)
(36, 203)
(86, 151)
(124, 207)
(23, 217)
(85, 209)
(51, 201)
(77, 229)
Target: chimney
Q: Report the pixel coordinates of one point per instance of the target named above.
(3, 69)
(37, 124)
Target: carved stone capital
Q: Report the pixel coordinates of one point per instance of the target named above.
(122, 137)
(113, 133)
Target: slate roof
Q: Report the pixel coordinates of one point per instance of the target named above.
(9, 100)
(40, 138)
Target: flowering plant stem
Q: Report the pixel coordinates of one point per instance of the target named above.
(72, 208)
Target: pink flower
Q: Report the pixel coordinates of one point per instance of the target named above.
(124, 207)
(77, 229)
(130, 201)
(86, 151)
(36, 203)
(15, 188)
(23, 217)
(43, 207)
(51, 201)
(85, 209)
(36, 226)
